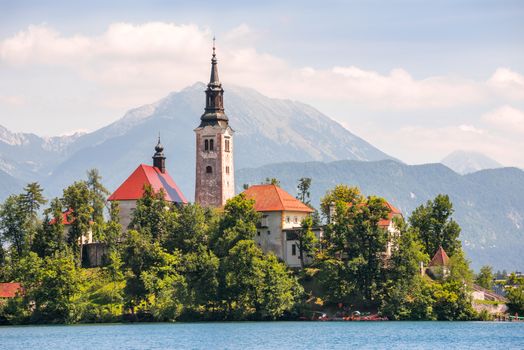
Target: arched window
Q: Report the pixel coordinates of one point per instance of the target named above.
(227, 170)
(206, 145)
(227, 145)
(211, 146)
(209, 170)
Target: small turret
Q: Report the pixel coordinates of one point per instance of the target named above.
(159, 160)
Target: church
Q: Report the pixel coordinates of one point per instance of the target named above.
(282, 214)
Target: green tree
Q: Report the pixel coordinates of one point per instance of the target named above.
(339, 194)
(13, 219)
(435, 225)
(272, 181)
(50, 286)
(304, 184)
(31, 201)
(77, 198)
(153, 215)
(50, 236)
(238, 222)
(485, 277)
(515, 294)
(190, 230)
(306, 240)
(97, 198)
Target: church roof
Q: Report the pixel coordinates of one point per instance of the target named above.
(273, 198)
(440, 258)
(9, 290)
(133, 187)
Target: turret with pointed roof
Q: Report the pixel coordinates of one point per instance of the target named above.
(214, 111)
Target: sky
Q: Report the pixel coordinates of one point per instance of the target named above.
(417, 79)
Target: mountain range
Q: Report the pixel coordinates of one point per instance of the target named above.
(273, 138)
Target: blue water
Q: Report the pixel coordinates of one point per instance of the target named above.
(269, 335)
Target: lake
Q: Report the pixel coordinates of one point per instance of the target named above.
(268, 335)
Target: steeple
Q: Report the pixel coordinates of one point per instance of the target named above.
(214, 111)
(159, 160)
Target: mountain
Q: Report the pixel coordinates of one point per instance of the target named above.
(488, 203)
(465, 162)
(267, 130)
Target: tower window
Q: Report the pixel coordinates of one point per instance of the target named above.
(209, 170)
(206, 145)
(293, 249)
(211, 146)
(227, 145)
(227, 170)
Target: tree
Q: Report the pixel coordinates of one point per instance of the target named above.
(31, 201)
(485, 277)
(238, 222)
(303, 187)
(255, 285)
(306, 239)
(153, 215)
(77, 198)
(272, 181)
(515, 294)
(50, 286)
(190, 229)
(435, 225)
(13, 219)
(50, 235)
(341, 193)
(97, 198)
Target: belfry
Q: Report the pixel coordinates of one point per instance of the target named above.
(215, 180)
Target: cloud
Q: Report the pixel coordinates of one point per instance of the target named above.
(507, 119)
(508, 83)
(151, 59)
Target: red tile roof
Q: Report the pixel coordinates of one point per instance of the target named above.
(273, 198)
(440, 258)
(66, 218)
(9, 290)
(133, 187)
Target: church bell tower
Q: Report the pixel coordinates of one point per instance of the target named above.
(215, 180)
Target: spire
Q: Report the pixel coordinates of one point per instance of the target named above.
(214, 111)
(159, 160)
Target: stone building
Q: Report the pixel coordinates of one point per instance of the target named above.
(155, 176)
(215, 181)
(282, 216)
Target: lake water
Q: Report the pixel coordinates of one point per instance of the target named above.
(269, 335)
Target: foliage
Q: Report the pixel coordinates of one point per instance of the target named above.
(304, 184)
(306, 240)
(435, 225)
(272, 181)
(485, 277)
(515, 293)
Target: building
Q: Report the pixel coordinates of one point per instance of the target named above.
(282, 216)
(10, 290)
(215, 181)
(67, 221)
(155, 176)
(438, 267)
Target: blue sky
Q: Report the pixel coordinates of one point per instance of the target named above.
(418, 79)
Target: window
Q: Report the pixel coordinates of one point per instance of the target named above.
(295, 220)
(268, 232)
(258, 233)
(293, 249)
(211, 146)
(227, 170)
(288, 220)
(206, 145)
(227, 145)
(209, 170)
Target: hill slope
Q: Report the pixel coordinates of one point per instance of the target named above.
(488, 203)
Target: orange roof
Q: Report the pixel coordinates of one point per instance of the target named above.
(391, 214)
(9, 290)
(440, 258)
(66, 219)
(133, 187)
(273, 198)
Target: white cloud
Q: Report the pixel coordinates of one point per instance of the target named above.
(508, 83)
(507, 119)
